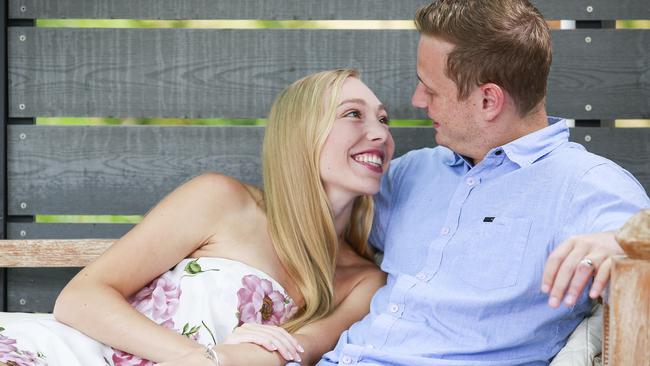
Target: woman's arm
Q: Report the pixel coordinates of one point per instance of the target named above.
(316, 338)
(321, 336)
(94, 301)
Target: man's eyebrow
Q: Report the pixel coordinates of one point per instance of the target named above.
(422, 81)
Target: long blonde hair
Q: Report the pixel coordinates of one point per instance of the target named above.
(299, 214)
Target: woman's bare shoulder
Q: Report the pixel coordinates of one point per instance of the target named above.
(222, 192)
(355, 273)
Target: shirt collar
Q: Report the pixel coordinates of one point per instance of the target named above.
(529, 148)
(451, 158)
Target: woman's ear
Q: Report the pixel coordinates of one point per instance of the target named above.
(493, 99)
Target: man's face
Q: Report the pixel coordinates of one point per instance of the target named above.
(456, 127)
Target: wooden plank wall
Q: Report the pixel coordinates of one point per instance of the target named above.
(297, 9)
(237, 73)
(597, 74)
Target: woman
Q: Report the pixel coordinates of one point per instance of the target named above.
(287, 268)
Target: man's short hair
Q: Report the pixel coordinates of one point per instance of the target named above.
(506, 42)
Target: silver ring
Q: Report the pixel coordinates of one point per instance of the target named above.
(587, 262)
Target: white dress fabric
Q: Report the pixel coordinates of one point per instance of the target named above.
(201, 298)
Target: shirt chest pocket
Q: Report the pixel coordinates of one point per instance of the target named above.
(492, 256)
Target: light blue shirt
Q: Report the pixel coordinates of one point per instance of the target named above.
(465, 247)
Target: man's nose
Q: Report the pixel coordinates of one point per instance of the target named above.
(418, 99)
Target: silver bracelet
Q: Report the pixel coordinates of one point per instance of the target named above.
(211, 354)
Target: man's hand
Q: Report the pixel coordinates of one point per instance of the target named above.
(570, 265)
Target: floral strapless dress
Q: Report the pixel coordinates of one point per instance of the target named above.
(201, 298)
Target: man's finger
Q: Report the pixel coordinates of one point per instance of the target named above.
(564, 276)
(580, 278)
(601, 279)
(553, 263)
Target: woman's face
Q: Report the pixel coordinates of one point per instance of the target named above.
(359, 147)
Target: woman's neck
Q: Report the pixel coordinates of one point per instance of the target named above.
(341, 212)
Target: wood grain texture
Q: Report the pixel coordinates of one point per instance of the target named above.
(629, 313)
(35, 289)
(237, 73)
(32, 230)
(628, 147)
(125, 170)
(51, 253)
(295, 9)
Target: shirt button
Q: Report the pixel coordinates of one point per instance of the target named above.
(471, 181)
(370, 346)
(444, 231)
(394, 308)
(421, 276)
(346, 360)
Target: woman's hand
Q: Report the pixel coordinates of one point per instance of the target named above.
(270, 337)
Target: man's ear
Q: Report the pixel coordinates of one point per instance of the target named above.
(493, 100)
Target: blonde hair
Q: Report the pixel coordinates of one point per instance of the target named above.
(299, 216)
(506, 42)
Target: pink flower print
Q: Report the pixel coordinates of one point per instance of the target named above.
(259, 303)
(10, 355)
(7, 345)
(126, 359)
(159, 300)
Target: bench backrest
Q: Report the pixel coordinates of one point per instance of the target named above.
(599, 74)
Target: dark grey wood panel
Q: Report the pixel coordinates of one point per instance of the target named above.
(119, 169)
(628, 147)
(35, 289)
(295, 9)
(17, 230)
(193, 73)
(600, 74)
(237, 73)
(127, 169)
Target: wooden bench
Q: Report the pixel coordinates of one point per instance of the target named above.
(599, 74)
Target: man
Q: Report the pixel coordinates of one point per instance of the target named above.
(467, 228)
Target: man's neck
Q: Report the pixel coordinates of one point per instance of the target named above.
(514, 127)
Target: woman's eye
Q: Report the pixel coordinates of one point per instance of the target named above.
(353, 114)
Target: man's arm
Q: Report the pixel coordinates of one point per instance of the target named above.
(605, 198)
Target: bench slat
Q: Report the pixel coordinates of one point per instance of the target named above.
(294, 9)
(51, 253)
(35, 289)
(201, 73)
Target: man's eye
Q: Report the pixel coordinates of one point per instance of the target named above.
(353, 114)
(384, 120)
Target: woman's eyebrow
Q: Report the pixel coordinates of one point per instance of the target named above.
(361, 101)
(353, 100)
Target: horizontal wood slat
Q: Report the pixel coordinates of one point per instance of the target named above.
(295, 9)
(125, 170)
(628, 147)
(35, 289)
(51, 253)
(237, 73)
(21, 230)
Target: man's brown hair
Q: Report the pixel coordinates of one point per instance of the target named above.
(506, 42)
